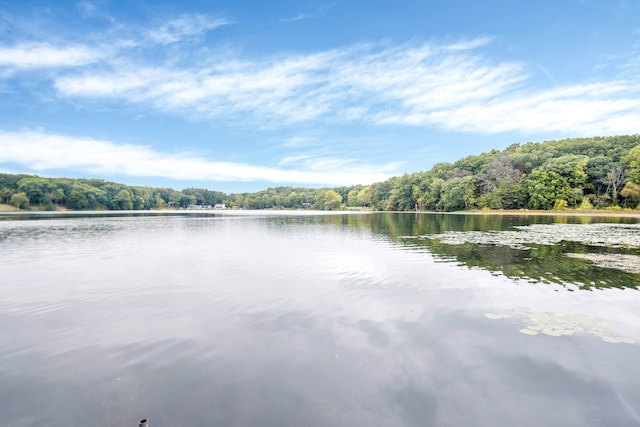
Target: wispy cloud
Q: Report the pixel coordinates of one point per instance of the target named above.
(87, 9)
(302, 16)
(40, 151)
(43, 55)
(355, 83)
(297, 141)
(323, 164)
(595, 109)
(470, 44)
(298, 17)
(451, 86)
(186, 25)
(289, 90)
(107, 54)
(287, 160)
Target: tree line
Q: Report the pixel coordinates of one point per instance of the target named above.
(585, 173)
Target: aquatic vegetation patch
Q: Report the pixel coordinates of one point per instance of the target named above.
(522, 237)
(495, 316)
(538, 253)
(628, 263)
(557, 325)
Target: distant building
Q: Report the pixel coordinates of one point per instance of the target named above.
(219, 206)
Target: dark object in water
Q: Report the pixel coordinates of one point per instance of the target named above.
(143, 423)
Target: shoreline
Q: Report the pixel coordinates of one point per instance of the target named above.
(625, 213)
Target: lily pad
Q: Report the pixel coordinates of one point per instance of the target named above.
(558, 325)
(617, 340)
(496, 316)
(628, 263)
(522, 237)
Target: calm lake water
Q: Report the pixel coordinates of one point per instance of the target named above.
(289, 319)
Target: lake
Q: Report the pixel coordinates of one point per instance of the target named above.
(310, 319)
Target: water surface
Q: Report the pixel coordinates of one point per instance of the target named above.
(302, 319)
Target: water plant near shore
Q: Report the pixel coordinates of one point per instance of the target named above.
(558, 325)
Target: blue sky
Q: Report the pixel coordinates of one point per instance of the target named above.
(243, 95)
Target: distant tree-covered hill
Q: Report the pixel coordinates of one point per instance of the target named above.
(582, 172)
(588, 173)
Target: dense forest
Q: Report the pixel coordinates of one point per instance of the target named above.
(586, 173)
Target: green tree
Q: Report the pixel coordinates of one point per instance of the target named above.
(570, 166)
(432, 194)
(364, 196)
(632, 161)
(379, 193)
(85, 196)
(328, 200)
(124, 200)
(457, 193)
(586, 204)
(159, 203)
(352, 196)
(142, 197)
(332, 200)
(546, 188)
(401, 195)
(77, 200)
(293, 200)
(419, 196)
(57, 197)
(20, 200)
(631, 191)
(10, 181)
(36, 188)
(5, 195)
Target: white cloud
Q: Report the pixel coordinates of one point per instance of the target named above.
(339, 84)
(325, 164)
(470, 44)
(106, 56)
(40, 151)
(43, 55)
(302, 16)
(187, 25)
(289, 90)
(448, 85)
(113, 85)
(298, 141)
(287, 160)
(298, 17)
(87, 9)
(596, 109)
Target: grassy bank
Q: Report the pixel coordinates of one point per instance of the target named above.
(36, 208)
